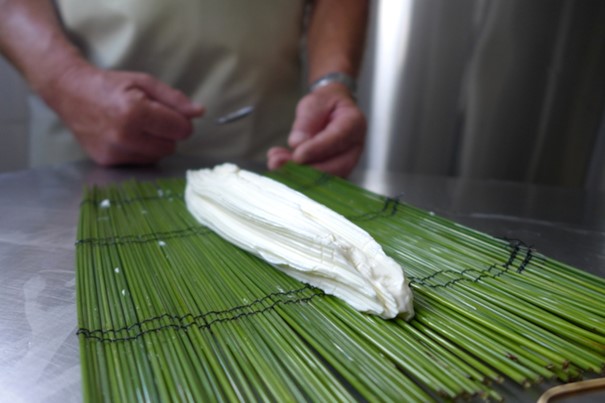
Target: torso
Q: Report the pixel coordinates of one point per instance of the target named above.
(224, 54)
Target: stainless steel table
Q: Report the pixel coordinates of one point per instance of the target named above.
(39, 358)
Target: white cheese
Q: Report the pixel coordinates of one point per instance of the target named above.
(300, 237)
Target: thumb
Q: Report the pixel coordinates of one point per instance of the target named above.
(167, 96)
(311, 118)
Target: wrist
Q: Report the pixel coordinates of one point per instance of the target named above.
(334, 91)
(62, 75)
(335, 78)
(58, 64)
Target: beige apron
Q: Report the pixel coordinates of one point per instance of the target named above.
(225, 54)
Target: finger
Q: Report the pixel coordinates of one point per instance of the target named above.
(345, 131)
(167, 95)
(312, 114)
(160, 121)
(341, 165)
(278, 156)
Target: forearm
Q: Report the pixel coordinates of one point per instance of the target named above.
(336, 36)
(34, 42)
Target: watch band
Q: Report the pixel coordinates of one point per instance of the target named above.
(335, 77)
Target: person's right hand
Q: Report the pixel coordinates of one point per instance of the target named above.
(121, 117)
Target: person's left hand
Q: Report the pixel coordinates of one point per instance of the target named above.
(328, 132)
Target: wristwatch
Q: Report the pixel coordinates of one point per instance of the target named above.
(335, 77)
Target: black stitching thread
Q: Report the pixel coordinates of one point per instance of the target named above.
(167, 195)
(515, 245)
(516, 248)
(204, 315)
(390, 207)
(144, 238)
(92, 334)
(483, 274)
(529, 255)
(99, 334)
(320, 180)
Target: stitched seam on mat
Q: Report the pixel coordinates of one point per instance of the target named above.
(232, 314)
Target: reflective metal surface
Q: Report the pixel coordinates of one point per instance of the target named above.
(511, 89)
(39, 358)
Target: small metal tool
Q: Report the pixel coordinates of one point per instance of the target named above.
(235, 115)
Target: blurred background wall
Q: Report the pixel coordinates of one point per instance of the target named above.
(490, 89)
(13, 120)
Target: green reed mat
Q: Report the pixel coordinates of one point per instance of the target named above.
(168, 311)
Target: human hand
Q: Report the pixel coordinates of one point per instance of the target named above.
(121, 117)
(328, 132)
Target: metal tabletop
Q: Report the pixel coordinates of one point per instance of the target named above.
(39, 357)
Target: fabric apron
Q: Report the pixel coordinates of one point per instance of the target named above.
(224, 54)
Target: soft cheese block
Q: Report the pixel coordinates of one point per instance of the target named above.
(300, 237)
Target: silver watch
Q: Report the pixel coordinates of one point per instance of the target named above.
(335, 77)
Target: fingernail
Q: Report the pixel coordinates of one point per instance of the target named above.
(297, 137)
